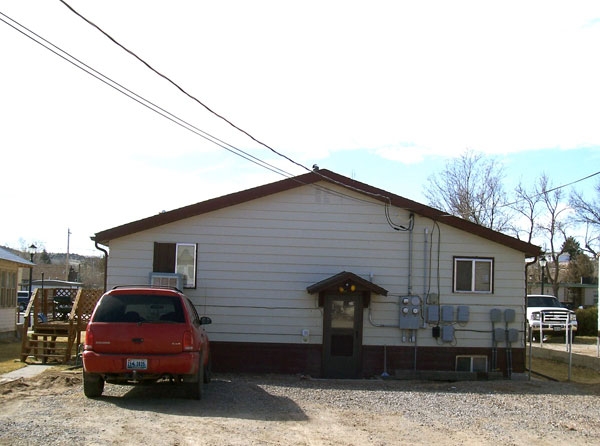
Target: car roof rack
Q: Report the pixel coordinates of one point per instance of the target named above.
(148, 286)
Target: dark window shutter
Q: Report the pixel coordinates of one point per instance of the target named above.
(164, 258)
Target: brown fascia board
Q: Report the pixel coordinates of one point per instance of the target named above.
(233, 199)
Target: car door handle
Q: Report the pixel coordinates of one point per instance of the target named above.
(137, 340)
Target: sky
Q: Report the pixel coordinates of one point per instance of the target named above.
(386, 92)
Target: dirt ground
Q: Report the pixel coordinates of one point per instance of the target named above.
(290, 410)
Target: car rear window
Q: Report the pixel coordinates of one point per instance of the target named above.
(139, 308)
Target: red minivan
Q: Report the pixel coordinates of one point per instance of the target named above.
(143, 334)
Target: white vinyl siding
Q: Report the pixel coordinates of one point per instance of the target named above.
(255, 260)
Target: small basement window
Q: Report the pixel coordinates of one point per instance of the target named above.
(473, 275)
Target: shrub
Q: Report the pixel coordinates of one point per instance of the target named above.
(587, 321)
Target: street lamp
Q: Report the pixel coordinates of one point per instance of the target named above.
(31, 251)
(543, 266)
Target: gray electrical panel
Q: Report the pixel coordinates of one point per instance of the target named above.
(447, 333)
(433, 314)
(499, 335)
(513, 335)
(462, 313)
(509, 315)
(495, 315)
(447, 313)
(410, 313)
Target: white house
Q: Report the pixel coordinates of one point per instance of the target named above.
(323, 275)
(11, 266)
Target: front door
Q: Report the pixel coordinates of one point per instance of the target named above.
(342, 335)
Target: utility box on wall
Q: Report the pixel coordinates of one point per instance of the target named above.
(410, 313)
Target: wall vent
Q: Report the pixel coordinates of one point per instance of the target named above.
(167, 279)
(471, 363)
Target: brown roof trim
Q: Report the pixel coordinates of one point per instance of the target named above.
(104, 237)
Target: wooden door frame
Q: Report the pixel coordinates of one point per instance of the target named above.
(358, 298)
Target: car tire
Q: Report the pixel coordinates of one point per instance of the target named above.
(197, 386)
(208, 371)
(93, 385)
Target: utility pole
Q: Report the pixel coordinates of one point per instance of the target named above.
(67, 261)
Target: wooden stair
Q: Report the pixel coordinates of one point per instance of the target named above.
(56, 334)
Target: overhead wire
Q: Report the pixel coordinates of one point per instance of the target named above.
(138, 98)
(554, 189)
(386, 199)
(176, 85)
(65, 55)
(209, 109)
(213, 139)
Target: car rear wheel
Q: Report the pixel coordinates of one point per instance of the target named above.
(208, 371)
(93, 385)
(197, 386)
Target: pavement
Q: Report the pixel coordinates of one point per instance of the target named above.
(28, 371)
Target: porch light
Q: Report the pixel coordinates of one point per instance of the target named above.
(347, 287)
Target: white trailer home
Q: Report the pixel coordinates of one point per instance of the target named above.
(323, 275)
(11, 270)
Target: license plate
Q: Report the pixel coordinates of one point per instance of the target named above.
(137, 364)
(557, 328)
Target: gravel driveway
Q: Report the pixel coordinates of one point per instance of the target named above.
(288, 410)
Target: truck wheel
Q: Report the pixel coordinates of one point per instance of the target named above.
(93, 385)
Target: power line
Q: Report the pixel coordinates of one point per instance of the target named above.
(168, 79)
(139, 99)
(30, 34)
(181, 89)
(554, 188)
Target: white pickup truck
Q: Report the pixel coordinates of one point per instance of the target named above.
(546, 311)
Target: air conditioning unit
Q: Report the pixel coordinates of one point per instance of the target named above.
(167, 280)
(471, 363)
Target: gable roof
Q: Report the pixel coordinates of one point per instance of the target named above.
(10, 257)
(104, 237)
(341, 279)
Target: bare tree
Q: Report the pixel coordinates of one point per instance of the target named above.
(471, 187)
(587, 212)
(553, 228)
(526, 205)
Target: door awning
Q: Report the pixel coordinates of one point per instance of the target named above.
(345, 282)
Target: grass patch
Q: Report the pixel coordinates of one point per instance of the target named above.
(560, 371)
(10, 353)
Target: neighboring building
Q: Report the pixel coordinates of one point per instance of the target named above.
(323, 275)
(11, 266)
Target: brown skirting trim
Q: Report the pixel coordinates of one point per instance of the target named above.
(305, 359)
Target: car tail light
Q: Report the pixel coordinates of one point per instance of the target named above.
(188, 341)
(89, 340)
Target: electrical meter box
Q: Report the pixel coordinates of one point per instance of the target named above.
(499, 335)
(410, 313)
(496, 315)
(433, 314)
(509, 315)
(513, 335)
(447, 313)
(462, 313)
(447, 333)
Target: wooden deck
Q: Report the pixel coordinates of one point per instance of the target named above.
(60, 316)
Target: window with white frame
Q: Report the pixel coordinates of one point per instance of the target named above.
(176, 258)
(473, 275)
